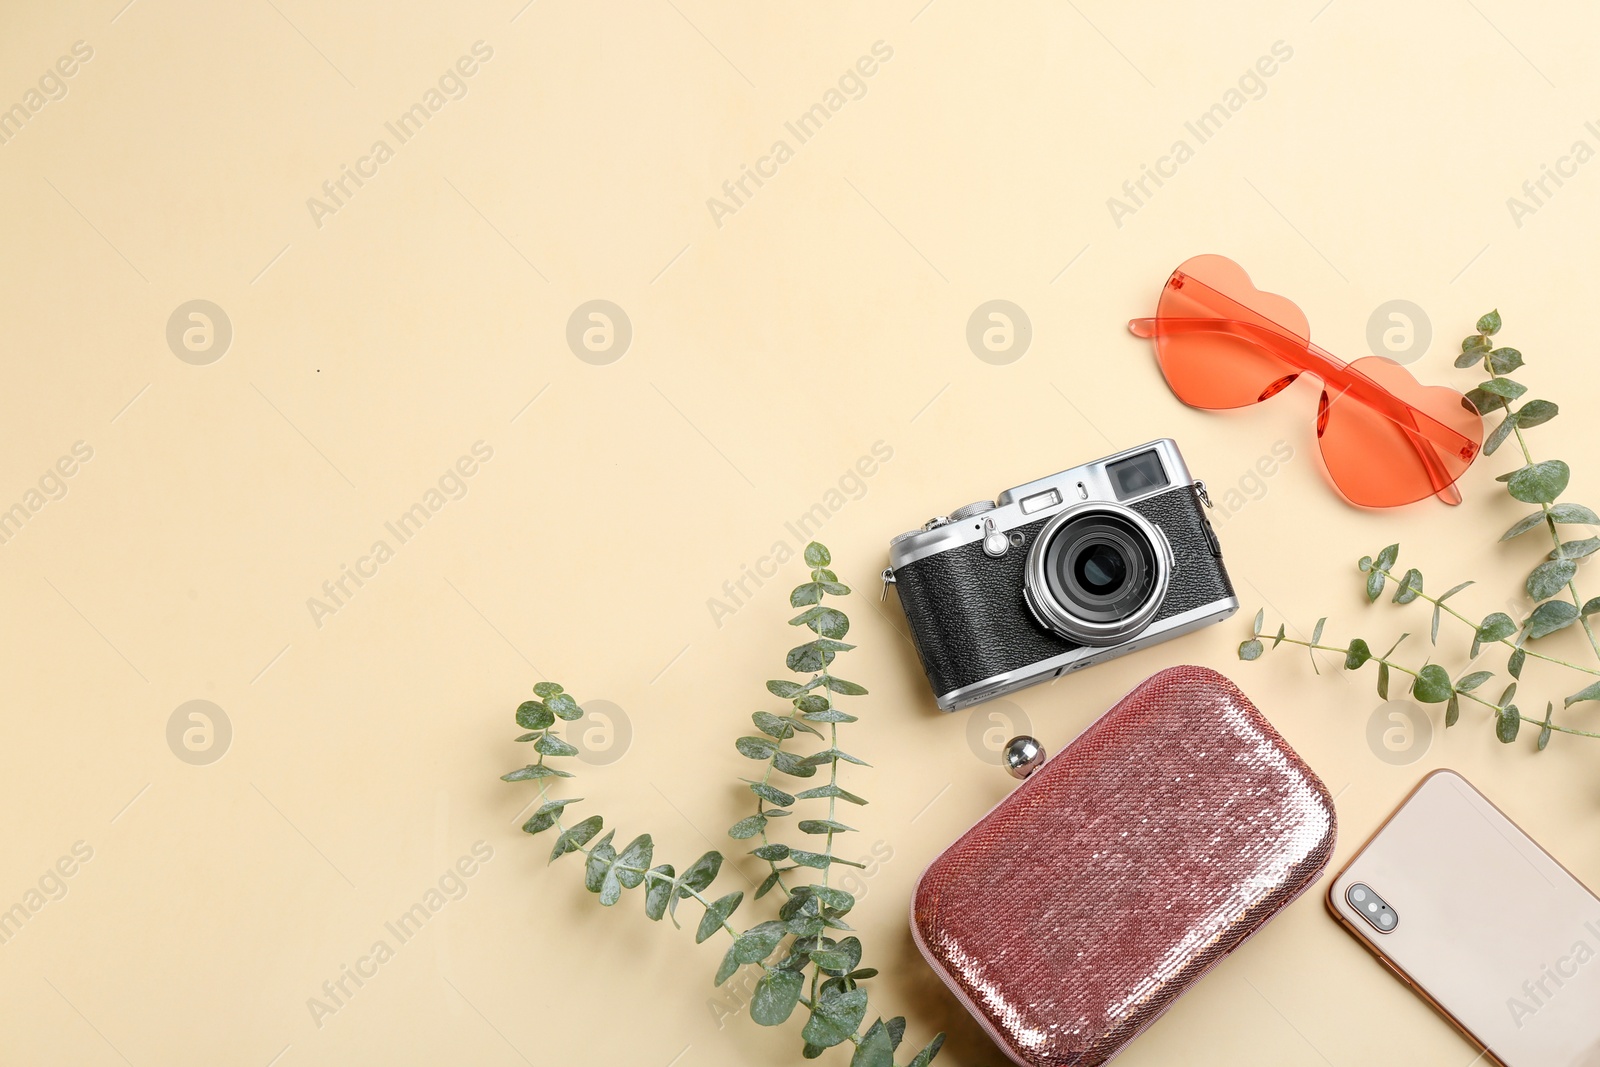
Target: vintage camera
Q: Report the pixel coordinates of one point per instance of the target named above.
(1060, 573)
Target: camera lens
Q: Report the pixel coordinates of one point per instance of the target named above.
(1097, 574)
(1100, 569)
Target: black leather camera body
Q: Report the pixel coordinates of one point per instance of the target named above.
(1059, 574)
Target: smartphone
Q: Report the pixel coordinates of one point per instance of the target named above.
(1482, 923)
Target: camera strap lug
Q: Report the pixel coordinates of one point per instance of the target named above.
(1200, 491)
(888, 580)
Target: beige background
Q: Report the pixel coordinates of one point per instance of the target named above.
(768, 354)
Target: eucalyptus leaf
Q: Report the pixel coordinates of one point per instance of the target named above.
(1383, 681)
(1550, 577)
(1588, 692)
(755, 747)
(1515, 661)
(1357, 654)
(1432, 685)
(1538, 483)
(717, 914)
(876, 1048)
(551, 745)
(564, 707)
(1506, 726)
(775, 997)
(835, 1018)
(1375, 582)
(1387, 557)
(1452, 711)
(1490, 323)
(576, 837)
(785, 689)
(809, 593)
(844, 688)
(699, 874)
(1536, 413)
(817, 555)
(546, 689)
(1467, 683)
(1504, 360)
(1410, 587)
(1251, 649)
(925, 1057)
(772, 794)
(1526, 523)
(1498, 435)
(1576, 549)
(532, 772)
(533, 715)
(747, 827)
(1573, 514)
(1504, 387)
(658, 892)
(1549, 617)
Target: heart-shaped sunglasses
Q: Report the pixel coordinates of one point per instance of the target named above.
(1385, 438)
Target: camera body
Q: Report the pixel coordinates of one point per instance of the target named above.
(1059, 574)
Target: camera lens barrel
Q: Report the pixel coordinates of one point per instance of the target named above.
(1098, 573)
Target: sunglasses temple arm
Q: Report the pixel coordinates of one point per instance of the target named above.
(1305, 356)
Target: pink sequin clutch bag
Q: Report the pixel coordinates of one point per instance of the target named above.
(1074, 913)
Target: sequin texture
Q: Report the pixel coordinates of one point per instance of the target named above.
(1073, 914)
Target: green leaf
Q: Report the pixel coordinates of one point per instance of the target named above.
(844, 688)
(633, 861)
(775, 997)
(533, 715)
(546, 689)
(1375, 582)
(770, 881)
(564, 707)
(1576, 549)
(876, 1048)
(784, 689)
(1544, 737)
(547, 815)
(1589, 692)
(790, 763)
(1485, 403)
(926, 1056)
(817, 555)
(532, 772)
(840, 958)
(1364, 564)
(1507, 724)
(699, 874)
(1504, 360)
(1504, 387)
(1383, 681)
(823, 826)
(807, 657)
(1490, 323)
(835, 1018)
(1538, 483)
(755, 747)
(1573, 514)
(551, 745)
(1250, 649)
(1514, 663)
(1452, 711)
(1387, 557)
(1467, 683)
(829, 790)
(771, 794)
(597, 864)
(1536, 413)
(728, 967)
(771, 852)
(1527, 522)
(1498, 435)
(828, 755)
(758, 942)
(1432, 685)
(1550, 577)
(1357, 654)
(1549, 617)
(1261, 617)
(717, 914)
(658, 892)
(576, 837)
(1410, 587)
(828, 622)
(809, 593)
(747, 827)
(828, 715)
(1496, 627)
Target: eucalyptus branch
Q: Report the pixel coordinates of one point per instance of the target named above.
(1551, 584)
(798, 941)
(1430, 683)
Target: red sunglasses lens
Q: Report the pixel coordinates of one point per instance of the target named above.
(1383, 462)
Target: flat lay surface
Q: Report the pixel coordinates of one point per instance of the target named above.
(369, 363)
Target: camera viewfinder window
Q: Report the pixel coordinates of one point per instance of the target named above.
(1137, 475)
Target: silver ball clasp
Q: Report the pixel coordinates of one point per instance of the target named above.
(1023, 756)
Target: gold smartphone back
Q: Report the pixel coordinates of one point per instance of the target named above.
(1482, 922)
